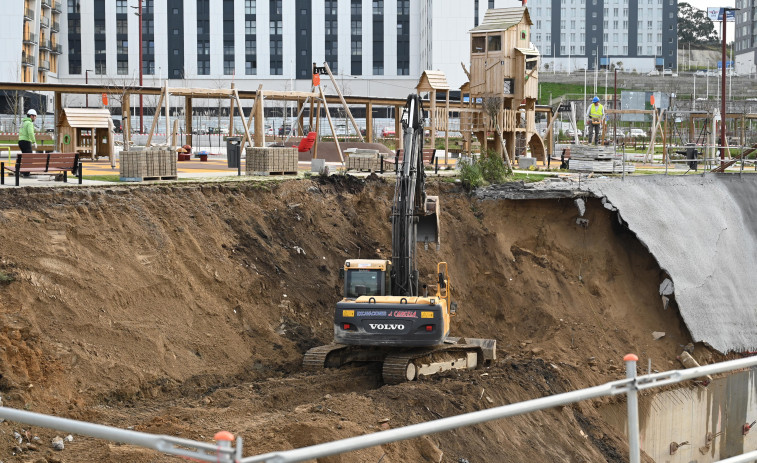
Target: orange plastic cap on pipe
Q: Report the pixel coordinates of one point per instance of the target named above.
(631, 358)
(223, 436)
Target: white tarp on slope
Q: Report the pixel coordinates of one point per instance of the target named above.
(703, 232)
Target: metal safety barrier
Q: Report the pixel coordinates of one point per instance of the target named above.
(222, 451)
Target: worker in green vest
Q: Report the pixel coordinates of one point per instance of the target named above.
(596, 117)
(26, 140)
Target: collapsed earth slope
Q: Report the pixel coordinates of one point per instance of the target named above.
(186, 309)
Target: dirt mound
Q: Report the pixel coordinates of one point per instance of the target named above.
(185, 310)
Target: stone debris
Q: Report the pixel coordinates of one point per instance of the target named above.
(58, 443)
(656, 335)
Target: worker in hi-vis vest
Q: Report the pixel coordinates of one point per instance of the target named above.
(596, 117)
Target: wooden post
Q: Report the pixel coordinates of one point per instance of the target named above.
(312, 107)
(168, 110)
(446, 130)
(231, 110)
(432, 116)
(155, 119)
(259, 115)
(300, 117)
(125, 117)
(398, 125)
(246, 127)
(58, 102)
(344, 104)
(174, 132)
(369, 122)
(331, 124)
(188, 118)
(317, 130)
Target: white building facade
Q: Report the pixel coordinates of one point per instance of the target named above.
(374, 47)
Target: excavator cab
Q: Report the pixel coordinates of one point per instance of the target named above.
(367, 277)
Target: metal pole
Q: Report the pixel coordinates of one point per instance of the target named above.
(722, 96)
(141, 105)
(633, 411)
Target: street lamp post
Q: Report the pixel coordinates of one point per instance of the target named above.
(141, 105)
(86, 82)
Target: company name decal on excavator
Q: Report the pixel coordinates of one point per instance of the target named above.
(403, 314)
(371, 313)
(386, 326)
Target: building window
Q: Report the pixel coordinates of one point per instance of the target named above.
(378, 7)
(276, 28)
(203, 47)
(122, 68)
(403, 68)
(122, 6)
(275, 7)
(249, 46)
(250, 67)
(357, 27)
(249, 7)
(122, 47)
(203, 68)
(122, 26)
(249, 27)
(378, 69)
(331, 7)
(276, 47)
(228, 67)
(356, 7)
(357, 48)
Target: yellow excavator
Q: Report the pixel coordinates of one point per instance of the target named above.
(383, 317)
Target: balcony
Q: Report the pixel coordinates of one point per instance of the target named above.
(45, 45)
(30, 38)
(46, 3)
(44, 65)
(44, 21)
(57, 7)
(55, 26)
(28, 15)
(27, 60)
(57, 49)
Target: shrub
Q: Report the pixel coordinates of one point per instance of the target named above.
(493, 167)
(470, 174)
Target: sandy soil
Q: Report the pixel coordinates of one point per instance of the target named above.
(186, 309)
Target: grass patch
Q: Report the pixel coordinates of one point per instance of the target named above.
(6, 278)
(529, 178)
(558, 90)
(103, 178)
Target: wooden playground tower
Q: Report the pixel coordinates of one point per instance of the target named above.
(500, 98)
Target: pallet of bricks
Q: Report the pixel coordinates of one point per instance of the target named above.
(271, 161)
(153, 163)
(363, 159)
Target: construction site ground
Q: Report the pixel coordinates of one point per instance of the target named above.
(185, 309)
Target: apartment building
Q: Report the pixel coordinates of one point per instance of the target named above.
(30, 34)
(636, 35)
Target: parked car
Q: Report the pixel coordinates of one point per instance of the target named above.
(637, 133)
(700, 73)
(388, 132)
(712, 73)
(285, 129)
(269, 130)
(653, 72)
(667, 72)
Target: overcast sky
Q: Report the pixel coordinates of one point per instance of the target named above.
(703, 4)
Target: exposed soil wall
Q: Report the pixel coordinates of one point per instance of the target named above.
(186, 309)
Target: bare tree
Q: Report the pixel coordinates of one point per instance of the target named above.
(493, 106)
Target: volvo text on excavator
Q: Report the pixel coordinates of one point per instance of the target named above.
(383, 317)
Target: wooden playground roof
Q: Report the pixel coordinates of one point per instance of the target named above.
(501, 19)
(86, 118)
(432, 80)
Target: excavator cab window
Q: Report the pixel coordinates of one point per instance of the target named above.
(442, 281)
(363, 282)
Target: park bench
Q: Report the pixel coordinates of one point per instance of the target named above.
(43, 163)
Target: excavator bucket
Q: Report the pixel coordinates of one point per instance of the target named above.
(428, 224)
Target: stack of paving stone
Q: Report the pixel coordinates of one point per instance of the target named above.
(271, 160)
(591, 159)
(363, 159)
(153, 163)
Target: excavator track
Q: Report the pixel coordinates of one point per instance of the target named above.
(408, 366)
(317, 357)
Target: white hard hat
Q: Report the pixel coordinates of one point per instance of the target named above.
(31, 112)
